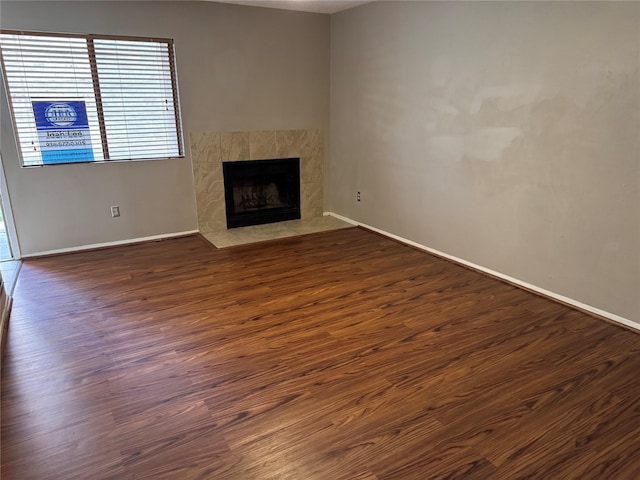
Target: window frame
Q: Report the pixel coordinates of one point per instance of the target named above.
(97, 92)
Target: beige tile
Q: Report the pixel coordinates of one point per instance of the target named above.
(288, 143)
(198, 150)
(317, 224)
(219, 213)
(205, 147)
(262, 145)
(205, 175)
(311, 169)
(213, 148)
(196, 139)
(311, 143)
(299, 143)
(204, 228)
(234, 146)
(311, 200)
(211, 207)
(205, 212)
(258, 233)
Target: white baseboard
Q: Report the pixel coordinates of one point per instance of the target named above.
(109, 244)
(561, 298)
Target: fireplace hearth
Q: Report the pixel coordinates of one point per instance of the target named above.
(261, 191)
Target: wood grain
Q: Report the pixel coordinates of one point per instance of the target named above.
(341, 355)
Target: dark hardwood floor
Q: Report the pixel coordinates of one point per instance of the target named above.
(341, 355)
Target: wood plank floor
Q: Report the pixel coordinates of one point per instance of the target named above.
(341, 355)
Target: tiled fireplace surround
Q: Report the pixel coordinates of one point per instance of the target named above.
(210, 149)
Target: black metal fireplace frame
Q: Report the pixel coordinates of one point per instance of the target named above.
(267, 215)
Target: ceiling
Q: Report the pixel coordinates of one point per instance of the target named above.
(314, 6)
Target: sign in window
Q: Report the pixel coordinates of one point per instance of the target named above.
(63, 132)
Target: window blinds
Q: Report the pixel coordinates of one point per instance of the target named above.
(121, 95)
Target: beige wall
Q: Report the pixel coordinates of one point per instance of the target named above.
(239, 68)
(506, 134)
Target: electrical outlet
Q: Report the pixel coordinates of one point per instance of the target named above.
(115, 211)
(358, 196)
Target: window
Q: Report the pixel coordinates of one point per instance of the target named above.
(82, 98)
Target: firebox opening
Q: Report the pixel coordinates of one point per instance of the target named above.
(261, 191)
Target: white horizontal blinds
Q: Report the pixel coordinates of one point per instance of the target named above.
(127, 85)
(50, 69)
(137, 91)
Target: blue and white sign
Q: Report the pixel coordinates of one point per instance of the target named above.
(63, 132)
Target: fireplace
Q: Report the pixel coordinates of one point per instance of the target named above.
(261, 191)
